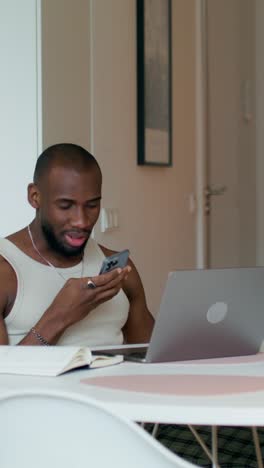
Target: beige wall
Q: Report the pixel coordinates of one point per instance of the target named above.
(260, 129)
(65, 71)
(153, 203)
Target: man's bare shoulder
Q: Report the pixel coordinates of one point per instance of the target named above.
(7, 273)
(6, 270)
(8, 286)
(19, 239)
(107, 252)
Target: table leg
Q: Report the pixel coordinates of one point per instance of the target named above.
(204, 446)
(214, 447)
(155, 429)
(257, 447)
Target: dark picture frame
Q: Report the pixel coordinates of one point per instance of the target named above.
(154, 94)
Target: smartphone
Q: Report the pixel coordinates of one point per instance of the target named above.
(117, 260)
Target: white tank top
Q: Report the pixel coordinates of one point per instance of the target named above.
(37, 286)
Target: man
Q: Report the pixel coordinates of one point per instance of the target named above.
(46, 270)
(50, 290)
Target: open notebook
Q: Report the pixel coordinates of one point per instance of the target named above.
(50, 360)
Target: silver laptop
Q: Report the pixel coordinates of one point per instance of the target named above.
(206, 314)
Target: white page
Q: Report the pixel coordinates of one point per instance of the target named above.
(37, 360)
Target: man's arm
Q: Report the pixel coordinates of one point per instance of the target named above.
(8, 287)
(139, 325)
(3, 332)
(72, 304)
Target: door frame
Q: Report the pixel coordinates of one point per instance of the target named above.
(201, 106)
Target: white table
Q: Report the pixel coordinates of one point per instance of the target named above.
(240, 408)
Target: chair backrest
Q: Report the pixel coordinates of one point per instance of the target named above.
(61, 430)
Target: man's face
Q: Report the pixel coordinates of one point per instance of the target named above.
(69, 208)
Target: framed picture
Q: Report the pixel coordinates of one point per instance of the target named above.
(154, 82)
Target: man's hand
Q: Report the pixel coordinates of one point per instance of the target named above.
(75, 300)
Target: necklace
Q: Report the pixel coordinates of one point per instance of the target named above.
(47, 261)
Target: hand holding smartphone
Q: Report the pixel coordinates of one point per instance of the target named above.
(117, 260)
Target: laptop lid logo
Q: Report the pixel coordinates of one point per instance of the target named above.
(217, 312)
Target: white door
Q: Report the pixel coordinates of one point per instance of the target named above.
(231, 154)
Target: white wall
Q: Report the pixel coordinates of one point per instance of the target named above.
(18, 109)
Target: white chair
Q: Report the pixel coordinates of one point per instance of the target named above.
(54, 429)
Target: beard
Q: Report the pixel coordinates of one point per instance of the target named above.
(58, 245)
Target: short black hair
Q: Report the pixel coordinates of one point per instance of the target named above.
(68, 154)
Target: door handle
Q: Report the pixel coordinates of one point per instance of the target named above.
(215, 191)
(212, 192)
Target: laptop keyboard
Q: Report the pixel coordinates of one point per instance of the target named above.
(136, 356)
